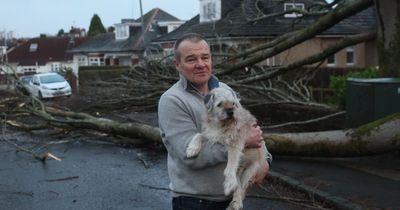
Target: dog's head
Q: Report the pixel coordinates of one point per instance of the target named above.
(222, 103)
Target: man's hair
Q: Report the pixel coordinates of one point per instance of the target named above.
(193, 37)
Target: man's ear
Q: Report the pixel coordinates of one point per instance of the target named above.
(177, 64)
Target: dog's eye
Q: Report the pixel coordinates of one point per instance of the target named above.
(233, 104)
(219, 104)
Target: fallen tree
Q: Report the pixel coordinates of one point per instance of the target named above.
(379, 136)
(376, 137)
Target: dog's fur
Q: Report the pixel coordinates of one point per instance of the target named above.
(228, 123)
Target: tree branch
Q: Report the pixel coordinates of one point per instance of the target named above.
(316, 28)
(347, 41)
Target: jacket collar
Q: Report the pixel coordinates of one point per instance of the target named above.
(213, 82)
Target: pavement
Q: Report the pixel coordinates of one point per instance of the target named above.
(370, 182)
(94, 174)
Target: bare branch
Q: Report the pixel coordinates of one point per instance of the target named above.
(347, 41)
(316, 28)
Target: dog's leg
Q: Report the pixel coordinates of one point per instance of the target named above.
(238, 195)
(230, 171)
(248, 173)
(237, 200)
(194, 146)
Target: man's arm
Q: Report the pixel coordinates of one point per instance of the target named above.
(178, 128)
(255, 140)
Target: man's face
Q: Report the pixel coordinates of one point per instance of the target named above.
(195, 62)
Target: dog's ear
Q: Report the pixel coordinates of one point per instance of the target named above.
(209, 101)
(236, 96)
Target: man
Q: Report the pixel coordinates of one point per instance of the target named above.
(196, 183)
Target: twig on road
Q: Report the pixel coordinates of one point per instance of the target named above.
(142, 159)
(41, 157)
(18, 193)
(154, 188)
(61, 179)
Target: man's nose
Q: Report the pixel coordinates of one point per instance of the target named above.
(200, 63)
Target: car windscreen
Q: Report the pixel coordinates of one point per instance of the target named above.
(25, 80)
(45, 79)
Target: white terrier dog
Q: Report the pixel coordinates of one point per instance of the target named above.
(228, 123)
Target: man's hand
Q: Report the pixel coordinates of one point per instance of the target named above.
(255, 139)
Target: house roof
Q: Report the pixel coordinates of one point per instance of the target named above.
(48, 49)
(161, 15)
(106, 43)
(238, 21)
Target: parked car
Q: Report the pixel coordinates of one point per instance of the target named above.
(23, 84)
(49, 85)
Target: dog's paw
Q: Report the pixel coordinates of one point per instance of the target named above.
(230, 184)
(192, 151)
(235, 205)
(194, 146)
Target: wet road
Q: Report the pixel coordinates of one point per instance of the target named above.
(91, 176)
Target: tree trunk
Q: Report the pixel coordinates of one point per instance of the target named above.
(379, 136)
(376, 137)
(388, 13)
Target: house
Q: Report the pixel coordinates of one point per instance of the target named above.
(235, 25)
(127, 44)
(43, 54)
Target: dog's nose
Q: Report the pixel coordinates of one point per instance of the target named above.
(229, 112)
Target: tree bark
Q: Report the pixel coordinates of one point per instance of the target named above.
(388, 13)
(376, 137)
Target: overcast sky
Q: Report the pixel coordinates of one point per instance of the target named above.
(30, 18)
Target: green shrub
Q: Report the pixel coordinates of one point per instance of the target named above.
(338, 84)
(100, 73)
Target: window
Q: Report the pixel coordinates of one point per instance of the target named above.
(96, 61)
(210, 10)
(81, 61)
(33, 47)
(350, 56)
(331, 60)
(289, 6)
(55, 67)
(271, 61)
(121, 32)
(169, 52)
(93, 62)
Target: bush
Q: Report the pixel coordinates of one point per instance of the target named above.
(100, 73)
(338, 84)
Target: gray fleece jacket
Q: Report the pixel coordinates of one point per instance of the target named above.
(180, 111)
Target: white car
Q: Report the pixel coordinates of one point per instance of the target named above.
(49, 85)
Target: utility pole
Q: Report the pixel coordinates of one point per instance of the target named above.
(5, 45)
(141, 15)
